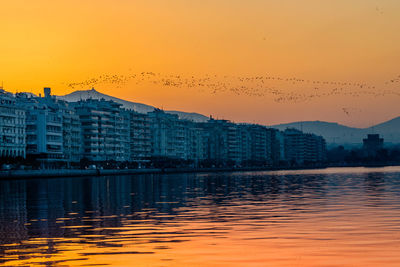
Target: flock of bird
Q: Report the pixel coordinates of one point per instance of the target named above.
(281, 89)
(394, 80)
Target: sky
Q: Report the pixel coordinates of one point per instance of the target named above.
(261, 61)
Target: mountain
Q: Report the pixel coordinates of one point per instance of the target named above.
(138, 107)
(337, 134)
(390, 130)
(391, 126)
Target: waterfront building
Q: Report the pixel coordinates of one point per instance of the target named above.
(52, 130)
(71, 129)
(59, 133)
(44, 132)
(169, 135)
(140, 137)
(223, 142)
(260, 144)
(197, 142)
(303, 148)
(255, 144)
(217, 148)
(234, 146)
(105, 130)
(246, 147)
(372, 144)
(12, 126)
(278, 147)
(177, 139)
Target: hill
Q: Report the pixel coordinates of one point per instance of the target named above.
(337, 134)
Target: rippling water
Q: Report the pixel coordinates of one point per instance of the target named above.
(332, 217)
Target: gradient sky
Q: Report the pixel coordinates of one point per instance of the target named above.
(54, 43)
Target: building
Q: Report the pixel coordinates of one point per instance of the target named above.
(71, 129)
(223, 142)
(234, 145)
(372, 144)
(197, 142)
(303, 148)
(140, 137)
(52, 130)
(12, 126)
(278, 147)
(59, 133)
(44, 135)
(255, 145)
(105, 130)
(246, 148)
(169, 135)
(177, 139)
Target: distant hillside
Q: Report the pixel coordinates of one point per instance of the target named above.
(138, 107)
(338, 134)
(390, 130)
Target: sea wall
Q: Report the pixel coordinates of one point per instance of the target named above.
(26, 174)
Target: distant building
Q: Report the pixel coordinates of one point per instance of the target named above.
(246, 147)
(197, 142)
(52, 130)
(217, 140)
(140, 137)
(59, 133)
(169, 135)
(278, 148)
(234, 146)
(12, 126)
(372, 144)
(105, 130)
(303, 148)
(72, 138)
(256, 144)
(44, 135)
(223, 141)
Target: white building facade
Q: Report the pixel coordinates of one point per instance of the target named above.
(140, 137)
(105, 130)
(12, 127)
(52, 130)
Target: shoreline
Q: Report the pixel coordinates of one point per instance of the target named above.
(64, 173)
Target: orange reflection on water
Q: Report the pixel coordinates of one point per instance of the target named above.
(336, 219)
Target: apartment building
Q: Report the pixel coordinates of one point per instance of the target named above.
(140, 137)
(105, 130)
(12, 126)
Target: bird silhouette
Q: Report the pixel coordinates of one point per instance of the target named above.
(278, 88)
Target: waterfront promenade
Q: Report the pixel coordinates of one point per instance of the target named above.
(23, 174)
(27, 174)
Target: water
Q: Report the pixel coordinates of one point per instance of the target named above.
(332, 217)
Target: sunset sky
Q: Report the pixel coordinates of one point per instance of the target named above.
(357, 42)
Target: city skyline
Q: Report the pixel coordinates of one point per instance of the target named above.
(49, 132)
(63, 43)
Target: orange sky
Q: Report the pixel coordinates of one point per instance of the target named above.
(55, 43)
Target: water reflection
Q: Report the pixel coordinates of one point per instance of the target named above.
(278, 218)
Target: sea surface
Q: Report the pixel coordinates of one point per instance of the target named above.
(329, 217)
